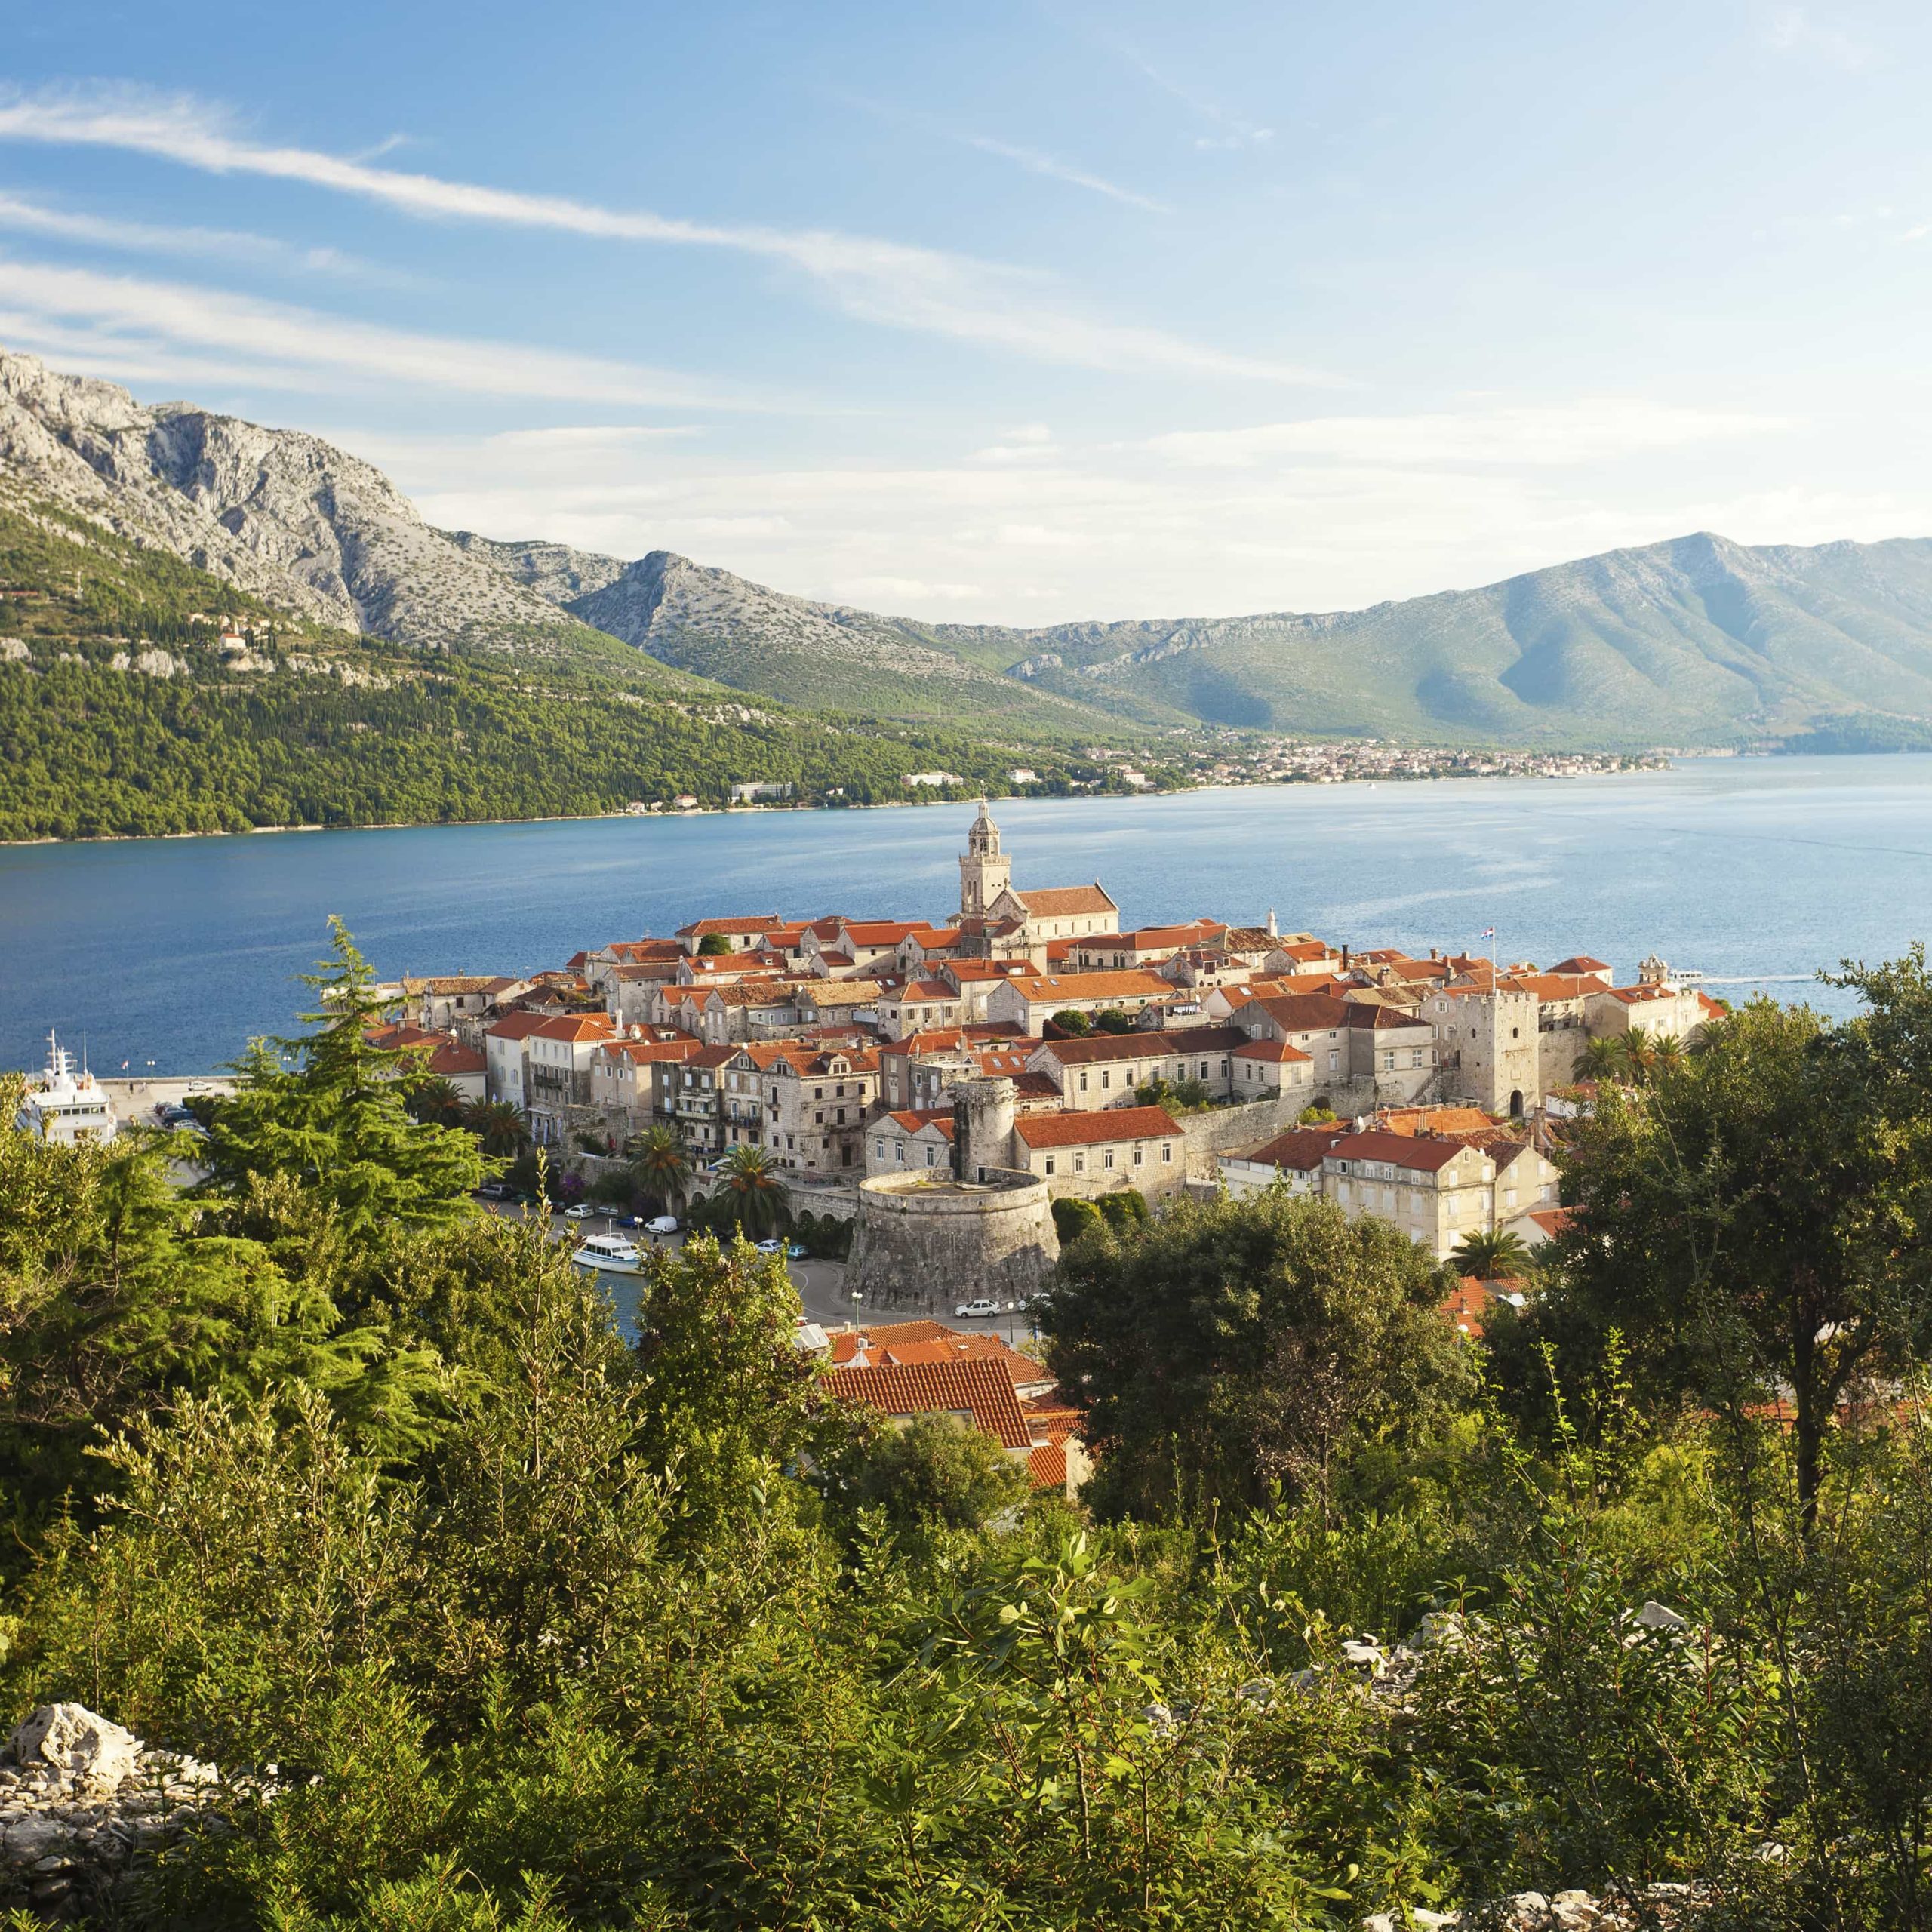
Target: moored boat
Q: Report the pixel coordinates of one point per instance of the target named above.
(608, 1254)
(65, 1107)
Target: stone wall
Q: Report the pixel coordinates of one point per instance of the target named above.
(1236, 1130)
(83, 1803)
(919, 1233)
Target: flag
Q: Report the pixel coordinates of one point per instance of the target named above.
(123, 1066)
(1489, 932)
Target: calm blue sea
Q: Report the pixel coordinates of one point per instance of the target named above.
(1757, 870)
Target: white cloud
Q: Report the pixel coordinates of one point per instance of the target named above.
(125, 325)
(1034, 162)
(1585, 431)
(1792, 30)
(893, 283)
(1117, 531)
(23, 215)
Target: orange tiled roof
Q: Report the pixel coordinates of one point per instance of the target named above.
(1046, 1465)
(980, 1389)
(1054, 902)
(1090, 1130)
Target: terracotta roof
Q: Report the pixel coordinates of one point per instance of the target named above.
(449, 1060)
(516, 1027)
(840, 992)
(452, 984)
(1583, 963)
(752, 922)
(578, 1027)
(989, 969)
(1043, 988)
(645, 1053)
(1398, 1150)
(1149, 938)
(1466, 1303)
(1553, 1221)
(1306, 951)
(1046, 1465)
(635, 951)
(912, 1118)
(1303, 1148)
(1054, 902)
(981, 1390)
(1088, 1130)
(1278, 1051)
(1154, 1044)
(1434, 1120)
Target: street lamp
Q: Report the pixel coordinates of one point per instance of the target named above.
(858, 1296)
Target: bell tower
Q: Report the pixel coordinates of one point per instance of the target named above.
(985, 871)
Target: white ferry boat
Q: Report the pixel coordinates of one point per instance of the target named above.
(66, 1107)
(608, 1254)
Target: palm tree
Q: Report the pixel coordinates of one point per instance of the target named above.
(1638, 1048)
(755, 1190)
(435, 1102)
(1666, 1054)
(661, 1165)
(500, 1126)
(1489, 1256)
(1601, 1059)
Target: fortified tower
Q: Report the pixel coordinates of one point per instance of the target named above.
(984, 871)
(982, 1114)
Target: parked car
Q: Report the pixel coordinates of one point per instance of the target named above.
(582, 1211)
(663, 1224)
(793, 1252)
(627, 1221)
(493, 1190)
(982, 1306)
(773, 1246)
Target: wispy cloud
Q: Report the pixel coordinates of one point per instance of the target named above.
(1588, 430)
(1231, 131)
(56, 309)
(897, 283)
(1792, 30)
(1034, 162)
(23, 215)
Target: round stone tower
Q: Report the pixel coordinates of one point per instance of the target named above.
(983, 1116)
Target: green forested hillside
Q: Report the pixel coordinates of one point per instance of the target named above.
(121, 713)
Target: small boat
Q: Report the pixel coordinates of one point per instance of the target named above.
(608, 1254)
(66, 1107)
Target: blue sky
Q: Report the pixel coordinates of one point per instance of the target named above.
(1016, 312)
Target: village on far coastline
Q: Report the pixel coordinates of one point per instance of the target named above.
(940, 1089)
(1223, 758)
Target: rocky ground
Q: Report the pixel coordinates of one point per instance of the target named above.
(82, 1800)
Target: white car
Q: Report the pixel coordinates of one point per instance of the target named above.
(664, 1224)
(582, 1211)
(982, 1306)
(774, 1246)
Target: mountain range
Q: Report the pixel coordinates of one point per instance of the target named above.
(1697, 640)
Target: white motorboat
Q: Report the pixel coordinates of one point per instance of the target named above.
(608, 1254)
(65, 1107)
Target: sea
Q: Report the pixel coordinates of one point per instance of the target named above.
(167, 955)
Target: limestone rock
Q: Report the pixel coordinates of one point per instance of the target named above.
(77, 1743)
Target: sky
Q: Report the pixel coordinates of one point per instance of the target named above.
(1022, 311)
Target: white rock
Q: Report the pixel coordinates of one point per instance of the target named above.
(1655, 1616)
(76, 1743)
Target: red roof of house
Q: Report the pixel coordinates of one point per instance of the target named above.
(1054, 902)
(1466, 1303)
(1269, 1050)
(981, 1390)
(1583, 963)
(1046, 1465)
(450, 1060)
(578, 1027)
(753, 922)
(1398, 1150)
(1045, 988)
(1303, 1148)
(1089, 1130)
(1161, 1043)
(516, 1027)
(1305, 951)
(1435, 1120)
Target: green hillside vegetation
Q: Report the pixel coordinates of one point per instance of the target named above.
(335, 730)
(323, 1470)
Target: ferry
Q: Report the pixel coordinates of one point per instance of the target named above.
(608, 1254)
(66, 1107)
